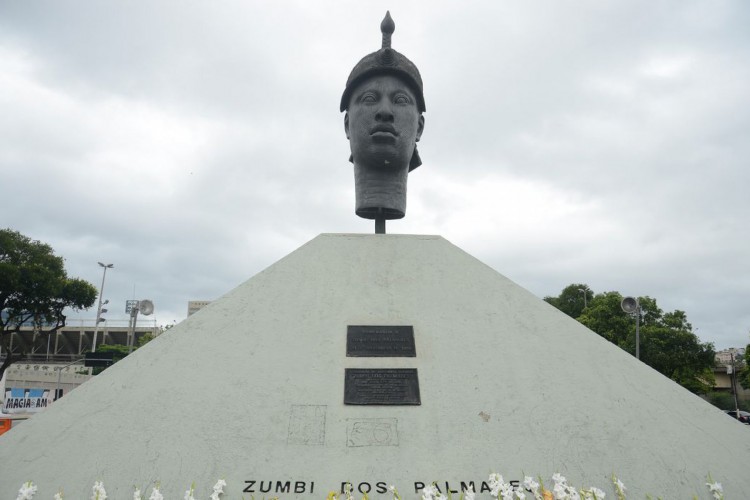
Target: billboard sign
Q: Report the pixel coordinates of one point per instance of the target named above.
(25, 400)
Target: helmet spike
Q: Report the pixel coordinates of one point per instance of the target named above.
(387, 27)
(385, 60)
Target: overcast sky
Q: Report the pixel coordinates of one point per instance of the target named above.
(193, 144)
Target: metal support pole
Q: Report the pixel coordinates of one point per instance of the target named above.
(734, 386)
(638, 330)
(59, 374)
(131, 328)
(99, 307)
(380, 222)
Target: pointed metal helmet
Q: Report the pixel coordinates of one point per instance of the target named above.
(387, 61)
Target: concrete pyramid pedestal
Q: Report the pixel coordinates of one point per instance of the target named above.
(251, 389)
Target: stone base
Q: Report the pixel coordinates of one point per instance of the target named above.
(251, 389)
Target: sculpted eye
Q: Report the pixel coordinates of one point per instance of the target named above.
(368, 97)
(401, 99)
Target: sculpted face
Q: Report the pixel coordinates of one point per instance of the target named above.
(383, 123)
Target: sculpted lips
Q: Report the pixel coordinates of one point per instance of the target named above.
(384, 133)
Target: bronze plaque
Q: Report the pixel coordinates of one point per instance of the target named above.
(380, 341)
(381, 386)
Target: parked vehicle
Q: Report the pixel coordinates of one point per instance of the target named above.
(743, 416)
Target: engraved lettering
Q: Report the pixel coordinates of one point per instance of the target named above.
(465, 486)
(381, 386)
(299, 487)
(248, 488)
(270, 484)
(283, 487)
(362, 485)
(373, 341)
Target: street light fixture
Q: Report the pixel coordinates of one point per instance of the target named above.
(145, 307)
(631, 306)
(99, 307)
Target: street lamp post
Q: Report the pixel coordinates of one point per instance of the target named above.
(733, 381)
(145, 307)
(99, 307)
(585, 298)
(59, 374)
(632, 305)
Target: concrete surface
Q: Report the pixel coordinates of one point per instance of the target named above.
(250, 389)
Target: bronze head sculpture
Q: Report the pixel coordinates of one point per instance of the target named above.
(384, 102)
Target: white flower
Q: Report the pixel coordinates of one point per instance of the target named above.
(495, 482)
(156, 494)
(27, 491)
(97, 492)
(469, 493)
(530, 484)
(440, 496)
(218, 489)
(620, 486)
(716, 490)
(562, 490)
(520, 495)
(499, 488)
(597, 493)
(506, 491)
(137, 494)
(59, 495)
(429, 492)
(559, 491)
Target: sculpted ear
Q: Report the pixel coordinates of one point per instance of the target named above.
(420, 127)
(346, 124)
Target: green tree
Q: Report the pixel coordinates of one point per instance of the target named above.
(35, 290)
(572, 300)
(679, 354)
(120, 351)
(605, 316)
(725, 401)
(743, 376)
(667, 342)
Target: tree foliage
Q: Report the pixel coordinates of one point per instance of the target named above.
(573, 299)
(35, 289)
(743, 376)
(120, 351)
(667, 341)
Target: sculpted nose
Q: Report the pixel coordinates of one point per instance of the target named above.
(384, 113)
